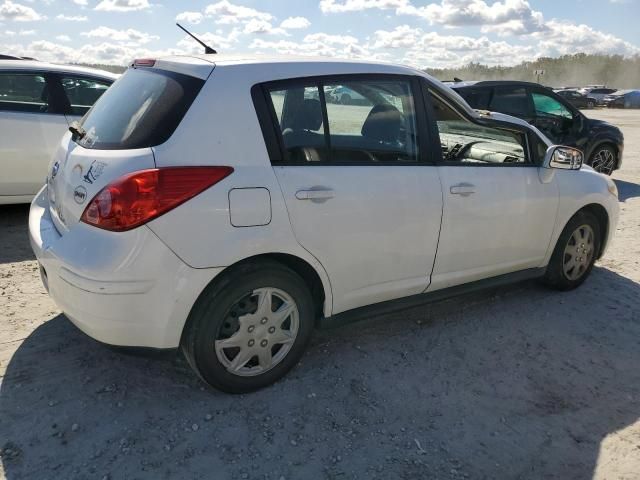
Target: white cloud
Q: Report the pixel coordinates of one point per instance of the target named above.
(17, 12)
(63, 38)
(263, 27)
(567, 38)
(190, 17)
(295, 23)
(21, 33)
(72, 18)
(122, 5)
(129, 36)
(338, 6)
(82, 3)
(225, 12)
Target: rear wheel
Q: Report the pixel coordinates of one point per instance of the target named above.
(591, 104)
(575, 253)
(248, 330)
(603, 159)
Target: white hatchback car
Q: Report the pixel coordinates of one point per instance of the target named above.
(223, 205)
(38, 101)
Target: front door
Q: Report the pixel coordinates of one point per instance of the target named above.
(498, 215)
(360, 193)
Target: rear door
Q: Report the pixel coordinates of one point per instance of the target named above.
(361, 193)
(31, 124)
(498, 215)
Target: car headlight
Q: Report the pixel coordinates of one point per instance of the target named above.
(611, 186)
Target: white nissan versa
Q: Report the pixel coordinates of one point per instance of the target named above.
(223, 205)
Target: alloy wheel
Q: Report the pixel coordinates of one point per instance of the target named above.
(604, 161)
(258, 332)
(578, 252)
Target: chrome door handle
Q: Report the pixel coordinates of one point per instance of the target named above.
(464, 189)
(315, 194)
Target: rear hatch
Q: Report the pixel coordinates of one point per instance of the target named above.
(140, 110)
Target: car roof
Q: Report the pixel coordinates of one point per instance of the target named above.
(34, 65)
(494, 83)
(272, 59)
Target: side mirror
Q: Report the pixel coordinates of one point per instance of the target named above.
(565, 158)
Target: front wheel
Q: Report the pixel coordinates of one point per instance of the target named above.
(249, 329)
(575, 253)
(603, 160)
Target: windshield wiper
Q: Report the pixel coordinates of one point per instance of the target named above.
(77, 131)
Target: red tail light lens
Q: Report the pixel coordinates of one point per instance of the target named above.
(139, 197)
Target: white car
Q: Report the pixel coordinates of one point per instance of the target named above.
(38, 101)
(220, 204)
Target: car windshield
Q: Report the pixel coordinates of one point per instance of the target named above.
(141, 109)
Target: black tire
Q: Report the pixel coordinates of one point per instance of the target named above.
(591, 104)
(345, 99)
(555, 276)
(208, 315)
(604, 168)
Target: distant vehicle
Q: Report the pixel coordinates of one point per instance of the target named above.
(586, 89)
(231, 210)
(623, 99)
(346, 96)
(598, 93)
(577, 99)
(601, 142)
(38, 101)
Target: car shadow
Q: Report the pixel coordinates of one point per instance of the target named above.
(14, 224)
(518, 382)
(627, 190)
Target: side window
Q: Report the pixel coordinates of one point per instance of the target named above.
(512, 101)
(478, 99)
(367, 121)
(299, 113)
(375, 124)
(23, 92)
(82, 92)
(546, 105)
(466, 143)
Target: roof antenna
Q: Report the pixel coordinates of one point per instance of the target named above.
(207, 48)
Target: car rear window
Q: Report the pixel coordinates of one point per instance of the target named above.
(141, 109)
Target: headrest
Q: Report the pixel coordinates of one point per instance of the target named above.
(383, 123)
(309, 115)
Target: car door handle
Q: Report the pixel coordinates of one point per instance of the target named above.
(464, 189)
(315, 194)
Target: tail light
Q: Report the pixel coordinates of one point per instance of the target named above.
(139, 197)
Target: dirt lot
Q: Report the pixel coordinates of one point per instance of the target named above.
(517, 383)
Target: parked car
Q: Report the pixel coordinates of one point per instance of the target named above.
(623, 99)
(598, 93)
(228, 211)
(346, 96)
(601, 142)
(577, 99)
(38, 101)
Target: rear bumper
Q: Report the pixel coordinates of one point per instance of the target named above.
(126, 289)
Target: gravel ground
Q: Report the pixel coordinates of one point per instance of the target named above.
(520, 382)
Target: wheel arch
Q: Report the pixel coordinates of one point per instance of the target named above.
(320, 291)
(600, 213)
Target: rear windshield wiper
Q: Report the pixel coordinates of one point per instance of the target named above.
(77, 131)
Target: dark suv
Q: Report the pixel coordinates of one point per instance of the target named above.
(601, 142)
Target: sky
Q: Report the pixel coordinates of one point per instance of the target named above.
(421, 33)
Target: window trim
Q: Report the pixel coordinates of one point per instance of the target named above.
(492, 123)
(270, 127)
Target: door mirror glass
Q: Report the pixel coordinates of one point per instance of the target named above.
(565, 158)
